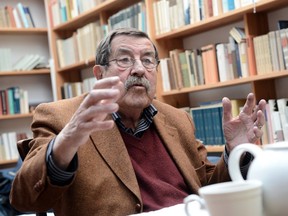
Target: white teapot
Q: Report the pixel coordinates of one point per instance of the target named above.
(270, 166)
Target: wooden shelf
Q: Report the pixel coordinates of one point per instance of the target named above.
(272, 75)
(221, 20)
(108, 6)
(8, 164)
(15, 116)
(29, 72)
(22, 31)
(215, 148)
(78, 66)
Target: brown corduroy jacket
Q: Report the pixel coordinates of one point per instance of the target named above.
(105, 182)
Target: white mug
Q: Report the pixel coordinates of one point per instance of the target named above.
(237, 198)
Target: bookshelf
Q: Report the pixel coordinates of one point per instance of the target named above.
(189, 36)
(37, 82)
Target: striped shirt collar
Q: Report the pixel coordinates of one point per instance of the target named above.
(144, 123)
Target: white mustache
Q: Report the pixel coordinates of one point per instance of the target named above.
(134, 80)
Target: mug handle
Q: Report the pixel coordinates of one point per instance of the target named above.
(192, 198)
(234, 158)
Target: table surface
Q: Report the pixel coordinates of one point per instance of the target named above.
(178, 210)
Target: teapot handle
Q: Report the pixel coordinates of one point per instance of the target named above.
(234, 159)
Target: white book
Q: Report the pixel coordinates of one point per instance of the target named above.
(5, 140)
(283, 112)
(12, 136)
(273, 49)
(31, 63)
(165, 75)
(243, 58)
(23, 61)
(23, 17)
(24, 103)
(280, 52)
(223, 62)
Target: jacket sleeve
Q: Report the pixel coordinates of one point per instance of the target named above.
(32, 179)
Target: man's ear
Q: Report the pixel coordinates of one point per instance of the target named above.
(98, 71)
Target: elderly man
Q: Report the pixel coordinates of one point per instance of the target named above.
(118, 151)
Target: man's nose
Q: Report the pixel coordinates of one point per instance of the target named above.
(138, 67)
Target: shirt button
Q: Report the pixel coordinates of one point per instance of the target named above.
(138, 207)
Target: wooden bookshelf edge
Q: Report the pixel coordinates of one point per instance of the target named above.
(215, 148)
(8, 163)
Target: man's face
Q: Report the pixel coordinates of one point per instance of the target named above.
(139, 82)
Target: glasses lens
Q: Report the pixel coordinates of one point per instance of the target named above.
(149, 62)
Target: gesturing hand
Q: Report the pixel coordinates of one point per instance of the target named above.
(90, 116)
(246, 127)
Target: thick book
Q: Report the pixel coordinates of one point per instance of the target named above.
(223, 62)
(210, 67)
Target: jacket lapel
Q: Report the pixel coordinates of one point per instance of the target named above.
(170, 138)
(113, 150)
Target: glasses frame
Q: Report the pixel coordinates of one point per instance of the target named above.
(134, 60)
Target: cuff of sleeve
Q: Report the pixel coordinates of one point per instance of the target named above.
(58, 176)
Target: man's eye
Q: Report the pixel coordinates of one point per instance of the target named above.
(147, 61)
(124, 60)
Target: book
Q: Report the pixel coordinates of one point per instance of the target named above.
(279, 50)
(9, 10)
(273, 50)
(282, 104)
(185, 73)
(251, 55)
(210, 67)
(284, 42)
(29, 17)
(238, 34)
(174, 56)
(243, 55)
(165, 75)
(22, 15)
(223, 62)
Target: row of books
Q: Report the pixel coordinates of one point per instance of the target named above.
(220, 62)
(13, 100)
(133, 16)
(81, 46)
(208, 120)
(26, 62)
(16, 17)
(61, 11)
(172, 14)
(8, 145)
(276, 127)
(73, 89)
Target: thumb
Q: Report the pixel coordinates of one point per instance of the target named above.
(227, 109)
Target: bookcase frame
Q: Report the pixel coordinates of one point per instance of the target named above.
(30, 73)
(263, 86)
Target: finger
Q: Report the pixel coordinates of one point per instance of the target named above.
(96, 96)
(257, 132)
(227, 109)
(99, 125)
(260, 108)
(249, 104)
(108, 82)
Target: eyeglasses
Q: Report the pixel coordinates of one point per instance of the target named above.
(126, 62)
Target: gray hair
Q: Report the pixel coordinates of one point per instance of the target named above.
(103, 50)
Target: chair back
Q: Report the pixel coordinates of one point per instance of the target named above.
(23, 149)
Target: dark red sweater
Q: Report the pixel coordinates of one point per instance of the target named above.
(161, 184)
